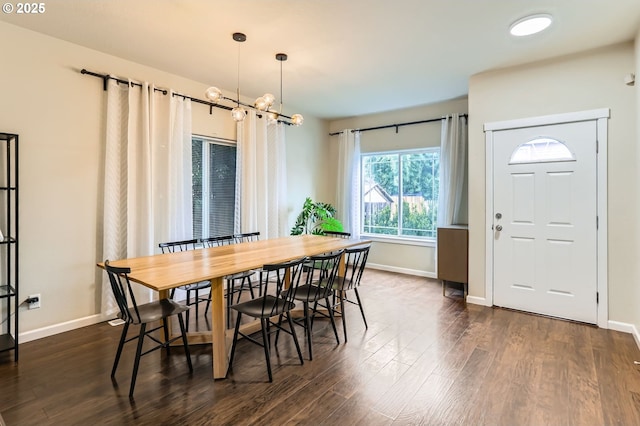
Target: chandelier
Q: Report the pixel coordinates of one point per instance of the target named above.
(263, 104)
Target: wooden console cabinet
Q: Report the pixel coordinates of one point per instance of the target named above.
(453, 255)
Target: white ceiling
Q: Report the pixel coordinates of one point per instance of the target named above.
(346, 57)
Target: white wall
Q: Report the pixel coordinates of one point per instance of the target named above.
(579, 82)
(59, 115)
(414, 259)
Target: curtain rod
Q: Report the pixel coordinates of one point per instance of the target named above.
(105, 78)
(388, 126)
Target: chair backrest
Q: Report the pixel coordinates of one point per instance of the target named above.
(322, 270)
(247, 237)
(175, 246)
(121, 286)
(224, 240)
(275, 278)
(337, 234)
(355, 261)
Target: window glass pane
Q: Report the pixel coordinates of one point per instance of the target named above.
(196, 185)
(222, 189)
(380, 193)
(541, 150)
(409, 177)
(419, 194)
(214, 186)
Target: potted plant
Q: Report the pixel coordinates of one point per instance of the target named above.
(315, 218)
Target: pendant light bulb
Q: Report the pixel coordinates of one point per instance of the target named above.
(297, 119)
(269, 98)
(213, 94)
(238, 113)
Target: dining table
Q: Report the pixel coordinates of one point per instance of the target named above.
(164, 272)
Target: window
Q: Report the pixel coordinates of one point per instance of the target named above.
(214, 187)
(541, 150)
(400, 193)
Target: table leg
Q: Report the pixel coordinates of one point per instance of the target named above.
(218, 335)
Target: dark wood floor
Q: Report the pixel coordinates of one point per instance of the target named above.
(425, 359)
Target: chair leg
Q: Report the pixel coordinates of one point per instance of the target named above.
(136, 363)
(333, 321)
(123, 337)
(361, 308)
(184, 342)
(235, 341)
(197, 302)
(187, 312)
(165, 329)
(206, 309)
(265, 345)
(295, 338)
(344, 315)
(307, 326)
(275, 343)
(229, 300)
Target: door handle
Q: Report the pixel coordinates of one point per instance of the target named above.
(498, 227)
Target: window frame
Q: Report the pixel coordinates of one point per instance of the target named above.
(397, 238)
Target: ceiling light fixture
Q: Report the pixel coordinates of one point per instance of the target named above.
(214, 94)
(263, 103)
(530, 25)
(296, 119)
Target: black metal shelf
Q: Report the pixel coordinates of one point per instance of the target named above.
(9, 297)
(7, 342)
(7, 291)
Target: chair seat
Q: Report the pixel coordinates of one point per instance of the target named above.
(196, 286)
(155, 311)
(255, 307)
(240, 275)
(309, 292)
(341, 283)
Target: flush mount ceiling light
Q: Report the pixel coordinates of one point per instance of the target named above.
(531, 24)
(263, 103)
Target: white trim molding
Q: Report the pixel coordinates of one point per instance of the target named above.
(406, 271)
(625, 328)
(600, 116)
(54, 329)
(478, 301)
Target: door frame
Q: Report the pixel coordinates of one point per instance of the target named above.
(600, 116)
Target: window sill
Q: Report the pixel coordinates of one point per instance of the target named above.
(407, 241)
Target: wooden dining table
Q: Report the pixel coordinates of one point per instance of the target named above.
(163, 272)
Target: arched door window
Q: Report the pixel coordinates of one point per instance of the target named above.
(541, 150)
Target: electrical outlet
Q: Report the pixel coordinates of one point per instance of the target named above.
(34, 301)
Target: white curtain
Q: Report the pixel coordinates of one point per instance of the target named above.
(147, 184)
(348, 182)
(453, 166)
(261, 176)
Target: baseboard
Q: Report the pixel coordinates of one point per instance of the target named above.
(51, 330)
(407, 271)
(478, 301)
(625, 328)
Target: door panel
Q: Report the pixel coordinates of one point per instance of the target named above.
(545, 241)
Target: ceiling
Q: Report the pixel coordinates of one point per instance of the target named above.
(346, 57)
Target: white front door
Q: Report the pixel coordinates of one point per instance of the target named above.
(545, 220)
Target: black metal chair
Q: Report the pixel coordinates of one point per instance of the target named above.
(175, 246)
(245, 277)
(274, 301)
(337, 234)
(355, 261)
(224, 240)
(132, 313)
(321, 271)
